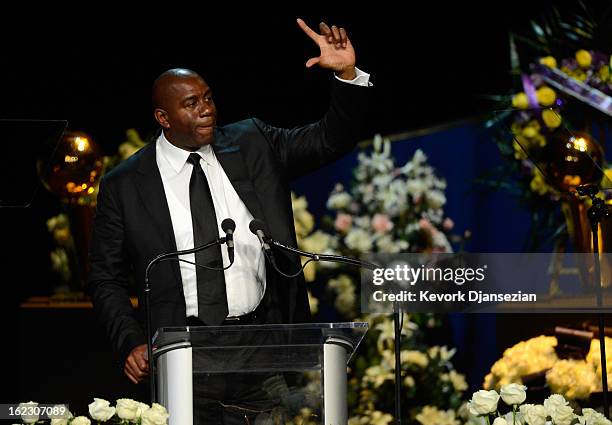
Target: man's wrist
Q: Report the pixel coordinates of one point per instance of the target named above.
(348, 74)
(361, 78)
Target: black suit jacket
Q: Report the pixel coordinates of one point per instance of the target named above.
(133, 224)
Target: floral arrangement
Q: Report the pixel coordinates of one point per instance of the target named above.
(590, 67)
(484, 408)
(431, 387)
(386, 209)
(525, 358)
(391, 209)
(531, 127)
(125, 412)
(129, 147)
(59, 228)
(561, 87)
(538, 110)
(575, 379)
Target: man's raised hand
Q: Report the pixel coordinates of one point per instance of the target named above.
(337, 52)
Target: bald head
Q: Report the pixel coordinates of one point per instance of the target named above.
(184, 108)
(162, 86)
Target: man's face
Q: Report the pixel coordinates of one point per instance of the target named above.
(188, 115)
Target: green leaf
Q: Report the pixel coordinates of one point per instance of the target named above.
(537, 29)
(543, 47)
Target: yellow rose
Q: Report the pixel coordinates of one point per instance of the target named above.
(520, 101)
(126, 150)
(539, 140)
(604, 73)
(549, 61)
(458, 381)
(551, 118)
(608, 175)
(313, 302)
(579, 75)
(310, 271)
(535, 124)
(489, 382)
(583, 58)
(414, 357)
(519, 152)
(530, 132)
(538, 185)
(546, 96)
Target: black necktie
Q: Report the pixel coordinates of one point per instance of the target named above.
(212, 299)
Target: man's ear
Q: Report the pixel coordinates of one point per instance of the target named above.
(161, 117)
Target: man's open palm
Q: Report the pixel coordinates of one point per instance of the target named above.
(337, 52)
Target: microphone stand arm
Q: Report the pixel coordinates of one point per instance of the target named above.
(324, 257)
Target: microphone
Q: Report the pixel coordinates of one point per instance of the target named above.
(256, 227)
(228, 227)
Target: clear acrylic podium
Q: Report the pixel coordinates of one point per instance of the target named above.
(300, 368)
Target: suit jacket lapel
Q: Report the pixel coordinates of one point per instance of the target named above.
(151, 190)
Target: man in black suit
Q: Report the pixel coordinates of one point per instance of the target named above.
(146, 206)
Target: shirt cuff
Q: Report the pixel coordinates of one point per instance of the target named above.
(362, 78)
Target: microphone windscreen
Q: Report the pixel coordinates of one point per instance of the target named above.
(256, 225)
(228, 225)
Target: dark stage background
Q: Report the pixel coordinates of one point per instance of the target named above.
(431, 63)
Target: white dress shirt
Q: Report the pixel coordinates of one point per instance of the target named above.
(245, 281)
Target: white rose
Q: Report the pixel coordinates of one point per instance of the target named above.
(513, 394)
(359, 240)
(416, 188)
(317, 242)
(156, 415)
(128, 409)
(593, 417)
(458, 381)
(387, 245)
(345, 301)
(29, 407)
(414, 357)
(435, 198)
(554, 402)
(534, 414)
(500, 421)
(100, 410)
(484, 402)
(64, 419)
(338, 201)
(143, 407)
(80, 420)
(563, 415)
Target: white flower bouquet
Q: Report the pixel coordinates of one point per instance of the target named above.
(484, 408)
(125, 412)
